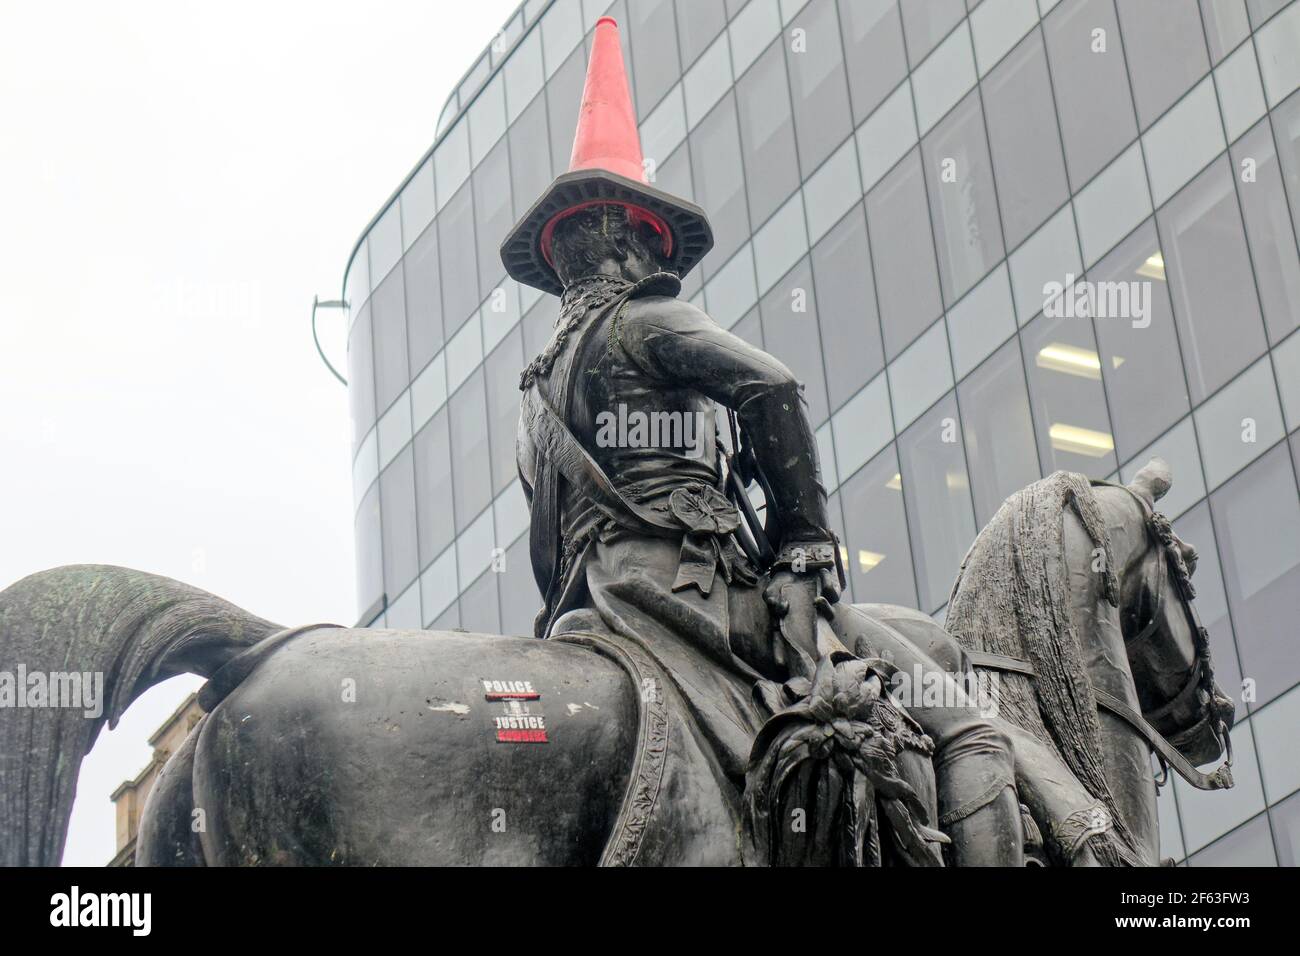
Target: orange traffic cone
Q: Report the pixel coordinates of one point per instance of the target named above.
(606, 168)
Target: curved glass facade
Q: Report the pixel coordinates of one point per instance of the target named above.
(894, 188)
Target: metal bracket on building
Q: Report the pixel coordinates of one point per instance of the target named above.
(316, 303)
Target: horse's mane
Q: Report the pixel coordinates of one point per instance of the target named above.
(1012, 598)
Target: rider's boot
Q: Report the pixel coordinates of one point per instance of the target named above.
(978, 806)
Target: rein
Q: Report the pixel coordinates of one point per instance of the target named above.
(1200, 680)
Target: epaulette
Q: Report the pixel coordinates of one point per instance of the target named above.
(660, 283)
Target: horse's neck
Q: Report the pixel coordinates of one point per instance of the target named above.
(1126, 756)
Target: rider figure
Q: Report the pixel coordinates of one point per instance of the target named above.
(632, 535)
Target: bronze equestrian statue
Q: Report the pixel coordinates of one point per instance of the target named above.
(695, 692)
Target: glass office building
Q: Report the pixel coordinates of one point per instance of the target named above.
(893, 187)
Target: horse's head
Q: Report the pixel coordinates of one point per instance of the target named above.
(1168, 649)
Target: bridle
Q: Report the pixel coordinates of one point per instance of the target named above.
(1200, 683)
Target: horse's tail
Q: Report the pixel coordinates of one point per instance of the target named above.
(77, 645)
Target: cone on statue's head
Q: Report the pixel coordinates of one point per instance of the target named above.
(606, 169)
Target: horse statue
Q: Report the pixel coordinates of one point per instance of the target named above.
(325, 745)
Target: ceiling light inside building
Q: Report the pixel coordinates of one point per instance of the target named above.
(869, 559)
(1154, 267)
(1081, 441)
(1070, 359)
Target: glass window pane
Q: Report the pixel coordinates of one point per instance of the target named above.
(1249, 845)
(981, 321)
(697, 25)
(494, 215)
(1069, 405)
(361, 375)
(480, 607)
(920, 375)
(1208, 814)
(877, 58)
(1051, 255)
(652, 30)
(1241, 97)
(789, 315)
(887, 135)
(1257, 516)
(1239, 423)
(925, 24)
(561, 32)
(418, 204)
(875, 534)
(385, 241)
(937, 494)
(1209, 278)
(1225, 25)
(388, 313)
(1275, 728)
(451, 164)
(999, 431)
(1268, 228)
(1285, 120)
(530, 172)
(369, 552)
(780, 243)
(433, 487)
(831, 191)
(1023, 139)
(501, 371)
(487, 119)
(767, 132)
(1277, 41)
(963, 207)
(423, 301)
(707, 80)
(1286, 831)
(817, 83)
(1181, 142)
(1139, 346)
(401, 546)
(1110, 206)
(944, 78)
(1165, 46)
(846, 308)
(715, 159)
(752, 29)
(907, 279)
(523, 73)
(520, 600)
(564, 96)
(456, 244)
(1179, 449)
(862, 427)
(1091, 85)
(469, 450)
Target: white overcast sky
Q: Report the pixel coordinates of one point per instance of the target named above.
(177, 179)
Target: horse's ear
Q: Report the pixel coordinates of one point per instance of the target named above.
(1153, 480)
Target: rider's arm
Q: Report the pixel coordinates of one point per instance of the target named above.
(673, 341)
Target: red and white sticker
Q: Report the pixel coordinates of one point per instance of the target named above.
(510, 690)
(525, 728)
(516, 724)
